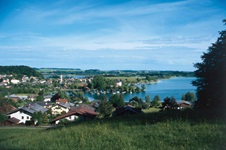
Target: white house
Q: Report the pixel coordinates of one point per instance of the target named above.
(68, 117)
(21, 115)
(25, 78)
(61, 107)
(15, 81)
(118, 83)
(80, 112)
(25, 113)
(47, 98)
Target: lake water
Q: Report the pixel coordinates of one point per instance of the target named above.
(166, 87)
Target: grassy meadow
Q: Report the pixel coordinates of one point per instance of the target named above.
(152, 130)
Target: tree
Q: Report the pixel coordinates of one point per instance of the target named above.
(105, 108)
(189, 96)
(210, 73)
(6, 105)
(55, 97)
(117, 100)
(147, 99)
(90, 85)
(85, 100)
(156, 101)
(37, 117)
(148, 78)
(134, 103)
(40, 98)
(167, 103)
(143, 87)
(3, 117)
(99, 82)
(173, 103)
(45, 118)
(136, 99)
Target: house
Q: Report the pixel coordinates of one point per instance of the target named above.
(47, 98)
(127, 110)
(32, 97)
(118, 83)
(61, 101)
(25, 78)
(61, 107)
(79, 113)
(87, 107)
(15, 81)
(25, 113)
(42, 81)
(45, 104)
(73, 108)
(183, 104)
(10, 122)
(13, 97)
(4, 82)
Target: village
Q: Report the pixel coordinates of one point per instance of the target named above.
(62, 107)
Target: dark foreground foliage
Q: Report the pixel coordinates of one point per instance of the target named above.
(211, 73)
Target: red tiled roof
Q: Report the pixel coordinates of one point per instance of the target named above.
(79, 111)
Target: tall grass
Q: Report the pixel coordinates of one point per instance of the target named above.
(161, 130)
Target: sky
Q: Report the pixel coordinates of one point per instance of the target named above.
(108, 34)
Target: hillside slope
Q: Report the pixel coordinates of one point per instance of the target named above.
(20, 71)
(147, 131)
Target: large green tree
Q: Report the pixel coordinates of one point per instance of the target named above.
(156, 101)
(211, 75)
(117, 100)
(189, 96)
(105, 108)
(99, 82)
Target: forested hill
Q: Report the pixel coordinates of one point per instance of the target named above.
(20, 71)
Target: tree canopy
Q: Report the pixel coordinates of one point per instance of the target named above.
(99, 82)
(117, 100)
(211, 75)
(20, 71)
(105, 108)
(189, 96)
(156, 101)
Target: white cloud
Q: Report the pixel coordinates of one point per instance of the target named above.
(145, 31)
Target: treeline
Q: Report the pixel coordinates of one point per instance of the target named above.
(110, 73)
(19, 71)
(167, 73)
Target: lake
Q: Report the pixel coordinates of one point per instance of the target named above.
(166, 87)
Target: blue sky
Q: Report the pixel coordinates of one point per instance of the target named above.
(108, 34)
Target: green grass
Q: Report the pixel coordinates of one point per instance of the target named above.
(151, 110)
(158, 130)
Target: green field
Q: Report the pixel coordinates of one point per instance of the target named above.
(158, 130)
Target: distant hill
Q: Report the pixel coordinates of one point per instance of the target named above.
(20, 71)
